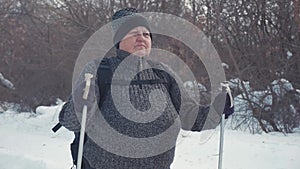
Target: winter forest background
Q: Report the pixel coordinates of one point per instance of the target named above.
(258, 41)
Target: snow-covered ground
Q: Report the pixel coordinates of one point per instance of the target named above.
(27, 142)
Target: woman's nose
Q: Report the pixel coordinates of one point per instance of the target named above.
(140, 36)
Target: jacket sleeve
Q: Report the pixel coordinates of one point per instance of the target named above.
(193, 115)
(70, 115)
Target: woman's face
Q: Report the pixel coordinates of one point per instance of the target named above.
(137, 41)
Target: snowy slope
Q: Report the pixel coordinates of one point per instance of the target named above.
(27, 142)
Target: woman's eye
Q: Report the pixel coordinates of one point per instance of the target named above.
(146, 34)
(134, 34)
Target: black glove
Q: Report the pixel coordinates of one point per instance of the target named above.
(222, 104)
(229, 107)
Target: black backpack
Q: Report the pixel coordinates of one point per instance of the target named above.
(104, 74)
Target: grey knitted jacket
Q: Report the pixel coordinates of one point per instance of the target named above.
(101, 157)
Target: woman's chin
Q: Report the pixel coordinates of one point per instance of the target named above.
(141, 53)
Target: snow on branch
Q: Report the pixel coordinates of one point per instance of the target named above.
(6, 83)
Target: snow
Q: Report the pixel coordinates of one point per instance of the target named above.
(189, 85)
(261, 99)
(27, 142)
(6, 83)
(289, 54)
(225, 65)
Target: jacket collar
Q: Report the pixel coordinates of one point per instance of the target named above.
(135, 62)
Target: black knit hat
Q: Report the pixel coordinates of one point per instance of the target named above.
(125, 20)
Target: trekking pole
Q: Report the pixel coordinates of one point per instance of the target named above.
(88, 78)
(226, 89)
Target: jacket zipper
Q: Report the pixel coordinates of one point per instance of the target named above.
(140, 68)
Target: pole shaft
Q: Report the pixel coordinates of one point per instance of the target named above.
(81, 140)
(221, 142)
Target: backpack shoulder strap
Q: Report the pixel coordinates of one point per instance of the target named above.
(104, 75)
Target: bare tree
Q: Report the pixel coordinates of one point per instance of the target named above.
(258, 39)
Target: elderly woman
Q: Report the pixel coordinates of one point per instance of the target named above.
(133, 38)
